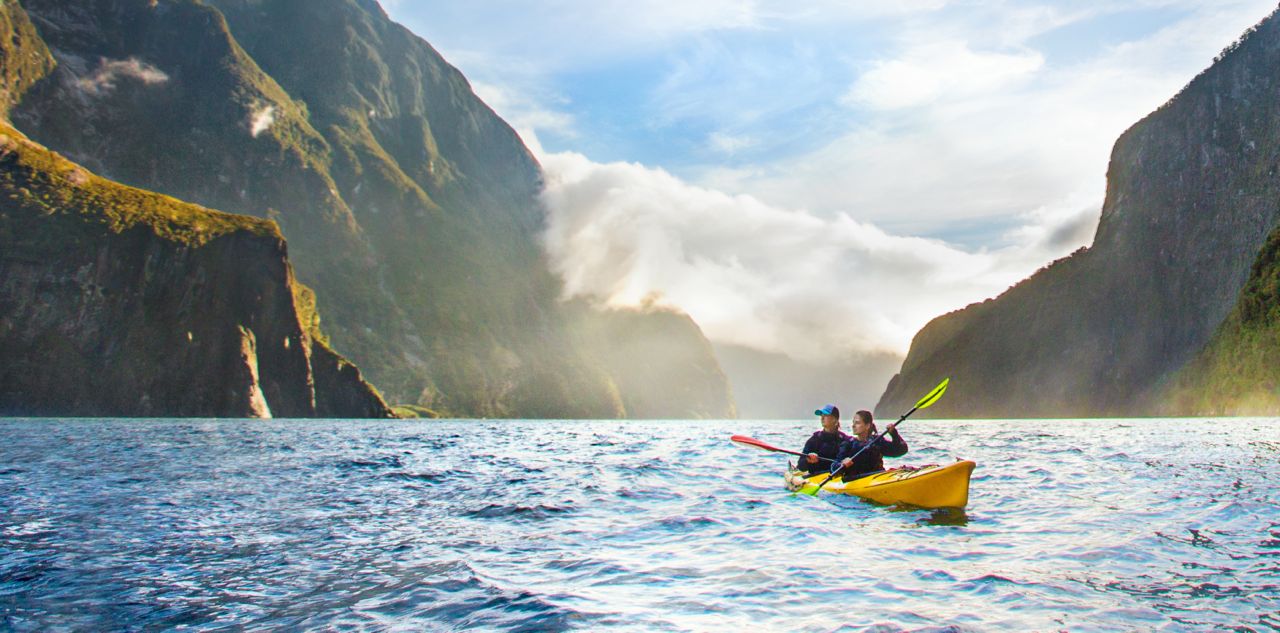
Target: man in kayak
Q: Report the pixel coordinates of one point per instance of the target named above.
(825, 443)
(870, 460)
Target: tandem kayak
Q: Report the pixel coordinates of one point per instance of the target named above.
(930, 486)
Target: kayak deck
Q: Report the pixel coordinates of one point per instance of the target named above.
(931, 486)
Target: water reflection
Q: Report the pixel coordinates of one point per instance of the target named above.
(955, 517)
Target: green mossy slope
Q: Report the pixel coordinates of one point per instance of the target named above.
(409, 206)
(120, 302)
(1192, 194)
(24, 58)
(1238, 372)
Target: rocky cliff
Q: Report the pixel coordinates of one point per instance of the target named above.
(117, 301)
(409, 206)
(1238, 372)
(1192, 193)
(120, 302)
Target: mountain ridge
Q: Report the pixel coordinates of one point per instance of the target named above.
(122, 302)
(1191, 197)
(411, 209)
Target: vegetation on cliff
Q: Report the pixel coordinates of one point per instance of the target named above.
(118, 301)
(37, 183)
(1191, 196)
(410, 207)
(1238, 372)
(24, 58)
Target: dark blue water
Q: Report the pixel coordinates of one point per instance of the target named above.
(1121, 525)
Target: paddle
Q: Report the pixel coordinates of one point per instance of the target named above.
(751, 441)
(924, 402)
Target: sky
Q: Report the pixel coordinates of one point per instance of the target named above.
(821, 177)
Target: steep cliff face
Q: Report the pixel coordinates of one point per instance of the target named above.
(159, 96)
(121, 302)
(1238, 372)
(409, 206)
(1192, 193)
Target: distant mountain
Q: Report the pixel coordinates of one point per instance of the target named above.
(773, 386)
(662, 364)
(1192, 193)
(409, 206)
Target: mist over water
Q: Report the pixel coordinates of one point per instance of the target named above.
(769, 386)
(1107, 525)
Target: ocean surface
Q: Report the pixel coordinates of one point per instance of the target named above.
(1100, 525)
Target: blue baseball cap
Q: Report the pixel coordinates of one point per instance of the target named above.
(830, 409)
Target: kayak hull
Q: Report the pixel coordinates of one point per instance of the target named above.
(931, 486)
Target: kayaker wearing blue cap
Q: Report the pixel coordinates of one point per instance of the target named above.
(870, 460)
(825, 443)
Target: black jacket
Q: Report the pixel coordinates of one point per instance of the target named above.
(872, 459)
(825, 445)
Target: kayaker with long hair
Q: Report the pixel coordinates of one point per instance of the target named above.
(870, 460)
(824, 443)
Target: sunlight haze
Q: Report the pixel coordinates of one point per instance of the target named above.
(803, 178)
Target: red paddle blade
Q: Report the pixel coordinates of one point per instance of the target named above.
(751, 441)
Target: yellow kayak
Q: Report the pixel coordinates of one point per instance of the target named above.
(930, 486)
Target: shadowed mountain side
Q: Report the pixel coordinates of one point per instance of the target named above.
(983, 349)
(771, 386)
(1192, 192)
(1238, 372)
(410, 207)
(163, 98)
(121, 302)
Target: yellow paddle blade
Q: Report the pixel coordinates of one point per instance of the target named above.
(933, 395)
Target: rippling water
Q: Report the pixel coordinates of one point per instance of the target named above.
(650, 526)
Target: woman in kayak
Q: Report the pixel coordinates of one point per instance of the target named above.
(825, 443)
(870, 460)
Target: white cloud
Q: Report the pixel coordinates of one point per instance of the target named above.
(938, 70)
(103, 80)
(985, 122)
(521, 110)
(728, 143)
(758, 275)
(261, 118)
(1054, 230)
(943, 141)
(569, 33)
(662, 18)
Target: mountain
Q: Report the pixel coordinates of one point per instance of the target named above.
(122, 302)
(116, 301)
(662, 364)
(1192, 195)
(410, 207)
(1238, 372)
(774, 386)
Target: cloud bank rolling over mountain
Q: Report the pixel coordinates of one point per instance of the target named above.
(760, 276)
(819, 176)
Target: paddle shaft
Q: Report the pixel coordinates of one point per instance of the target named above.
(865, 447)
(783, 450)
(924, 402)
(761, 445)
